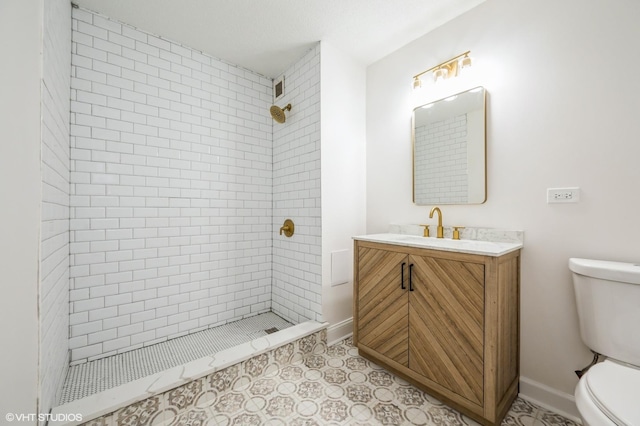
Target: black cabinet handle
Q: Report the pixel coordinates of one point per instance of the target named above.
(410, 281)
(402, 275)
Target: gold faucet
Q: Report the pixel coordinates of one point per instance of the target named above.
(440, 228)
(456, 232)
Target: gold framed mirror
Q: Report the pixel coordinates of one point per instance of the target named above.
(449, 150)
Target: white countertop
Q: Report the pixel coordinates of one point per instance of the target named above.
(485, 248)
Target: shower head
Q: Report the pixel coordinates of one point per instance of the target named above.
(278, 113)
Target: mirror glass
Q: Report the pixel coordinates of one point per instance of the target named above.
(449, 150)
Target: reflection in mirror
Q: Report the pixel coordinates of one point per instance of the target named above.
(449, 150)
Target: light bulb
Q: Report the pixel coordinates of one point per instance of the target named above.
(417, 83)
(465, 62)
(440, 73)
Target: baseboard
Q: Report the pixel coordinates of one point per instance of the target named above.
(549, 398)
(339, 331)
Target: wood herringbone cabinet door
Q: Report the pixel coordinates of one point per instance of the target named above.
(446, 326)
(382, 303)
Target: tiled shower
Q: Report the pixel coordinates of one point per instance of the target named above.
(179, 180)
(161, 208)
(54, 235)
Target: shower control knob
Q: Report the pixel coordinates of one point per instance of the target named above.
(288, 228)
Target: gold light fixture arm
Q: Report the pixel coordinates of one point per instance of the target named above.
(446, 64)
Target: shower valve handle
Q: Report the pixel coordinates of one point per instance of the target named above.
(288, 228)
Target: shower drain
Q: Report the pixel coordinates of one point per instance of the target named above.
(271, 330)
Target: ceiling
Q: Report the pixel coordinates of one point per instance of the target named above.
(267, 36)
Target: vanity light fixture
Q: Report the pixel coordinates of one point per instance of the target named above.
(450, 68)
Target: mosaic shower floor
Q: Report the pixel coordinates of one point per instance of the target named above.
(333, 387)
(96, 376)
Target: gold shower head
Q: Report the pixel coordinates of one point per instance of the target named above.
(278, 113)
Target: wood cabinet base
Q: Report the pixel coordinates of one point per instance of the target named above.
(446, 322)
(473, 411)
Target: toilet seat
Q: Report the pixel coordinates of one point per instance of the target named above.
(609, 394)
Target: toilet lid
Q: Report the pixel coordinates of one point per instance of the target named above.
(615, 389)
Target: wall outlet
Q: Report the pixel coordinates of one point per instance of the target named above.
(563, 195)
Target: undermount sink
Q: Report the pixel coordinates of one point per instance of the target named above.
(486, 248)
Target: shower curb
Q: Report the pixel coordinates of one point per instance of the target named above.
(160, 398)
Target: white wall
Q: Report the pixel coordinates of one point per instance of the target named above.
(343, 112)
(20, 192)
(563, 97)
(297, 274)
(54, 235)
(170, 189)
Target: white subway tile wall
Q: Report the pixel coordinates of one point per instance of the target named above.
(441, 162)
(54, 235)
(297, 261)
(171, 189)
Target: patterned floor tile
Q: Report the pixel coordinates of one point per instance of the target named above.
(338, 387)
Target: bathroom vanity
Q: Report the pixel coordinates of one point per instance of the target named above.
(442, 314)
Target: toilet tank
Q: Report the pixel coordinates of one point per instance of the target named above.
(608, 300)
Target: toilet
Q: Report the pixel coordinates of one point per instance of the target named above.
(608, 300)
